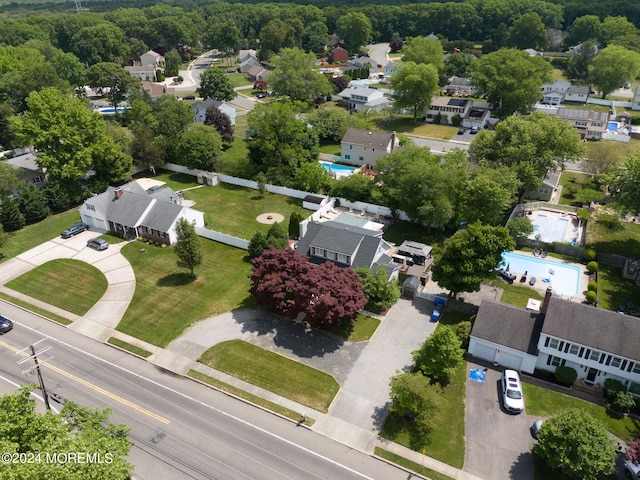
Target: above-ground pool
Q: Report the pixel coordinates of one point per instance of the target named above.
(339, 169)
(550, 228)
(562, 278)
(110, 110)
(365, 82)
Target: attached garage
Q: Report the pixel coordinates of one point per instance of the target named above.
(506, 335)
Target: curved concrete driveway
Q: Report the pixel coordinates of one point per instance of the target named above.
(104, 316)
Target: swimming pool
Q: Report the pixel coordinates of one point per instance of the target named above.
(550, 228)
(111, 110)
(339, 169)
(565, 279)
(612, 126)
(365, 82)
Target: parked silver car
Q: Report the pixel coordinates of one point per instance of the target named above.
(512, 396)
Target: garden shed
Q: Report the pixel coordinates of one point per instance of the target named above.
(410, 287)
(208, 178)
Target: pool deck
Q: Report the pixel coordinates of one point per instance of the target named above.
(574, 231)
(541, 287)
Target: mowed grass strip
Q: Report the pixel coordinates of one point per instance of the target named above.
(413, 466)
(128, 347)
(34, 309)
(360, 330)
(273, 372)
(71, 285)
(225, 387)
(167, 301)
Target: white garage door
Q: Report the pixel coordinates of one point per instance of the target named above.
(493, 353)
(89, 220)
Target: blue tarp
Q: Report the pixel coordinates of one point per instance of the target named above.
(477, 375)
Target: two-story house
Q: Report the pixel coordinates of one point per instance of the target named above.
(200, 110)
(577, 94)
(553, 93)
(364, 98)
(143, 72)
(590, 123)
(599, 344)
(448, 108)
(362, 147)
(151, 58)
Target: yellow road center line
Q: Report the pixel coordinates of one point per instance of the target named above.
(93, 387)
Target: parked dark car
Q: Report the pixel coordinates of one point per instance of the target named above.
(5, 325)
(261, 95)
(189, 97)
(74, 229)
(98, 244)
(461, 131)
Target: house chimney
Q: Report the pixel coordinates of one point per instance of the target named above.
(118, 193)
(545, 302)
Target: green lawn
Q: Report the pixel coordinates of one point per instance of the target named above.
(167, 301)
(584, 186)
(72, 285)
(515, 294)
(542, 402)
(128, 347)
(273, 372)
(330, 148)
(405, 124)
(624, 240)
(274, 407)
(613, 290)
(617, 152)
(361, 330)
(33, 235)
(34, 309)
(233, 210)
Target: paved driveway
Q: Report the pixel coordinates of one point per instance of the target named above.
(498, 444)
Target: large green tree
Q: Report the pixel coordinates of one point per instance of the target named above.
(440, 354)
(381, 292)
(65, 132)
(413, 86)
(200, 147)
(577, 444)
(279, 141)
(527, 32)
(510, 79)
(435, 185)
(471, 256)
(330, 124)
(612, 67)
(355, 30)
(624, 184)
(215, 84)
(294, 75)
(488, 195)
(424, 50)
(415, 398)
(113, 80)
(275, 36)
(530, 145)
(74, 429)
(311, 177)
(187, 248)
(581, 59)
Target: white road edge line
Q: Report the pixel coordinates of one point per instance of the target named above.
(211, 407)
(38, 397)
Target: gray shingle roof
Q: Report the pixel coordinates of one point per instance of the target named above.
(369, 139)
(161, 216)
(508, 325)
(128, 209)
(593, 327)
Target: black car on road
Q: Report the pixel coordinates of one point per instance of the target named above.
(5, 325)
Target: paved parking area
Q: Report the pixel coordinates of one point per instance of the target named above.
(498, 444)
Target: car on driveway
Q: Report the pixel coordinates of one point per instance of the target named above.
(5, 324)
(74, 229)
(261, 95)
(461, 131)
(98, 244)
(512, 396)
(535, 428)
(475, 130)
(632, 470)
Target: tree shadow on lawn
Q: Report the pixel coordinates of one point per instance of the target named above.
(176, 280)
(380, 415)
(290, 335)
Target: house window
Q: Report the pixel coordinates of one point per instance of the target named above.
(350, 147)
(553, 343)
(162, 235)
(37, 179)
(573, 349)
(543, 190)
(636, 368)
(149, 231)
(556, 361)
(331, 255)
(634, 388)
(595, 355)
(361, 158)
(90, 207)
(347, 157)
(342, 258)
(615, 362)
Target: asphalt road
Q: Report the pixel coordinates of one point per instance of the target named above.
(181, 429)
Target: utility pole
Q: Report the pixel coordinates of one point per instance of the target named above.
(34, 356)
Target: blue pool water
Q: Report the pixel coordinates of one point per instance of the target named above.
(565, 279)
(335, 168)
(612, 126)
(110, 110)
(550, 228)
